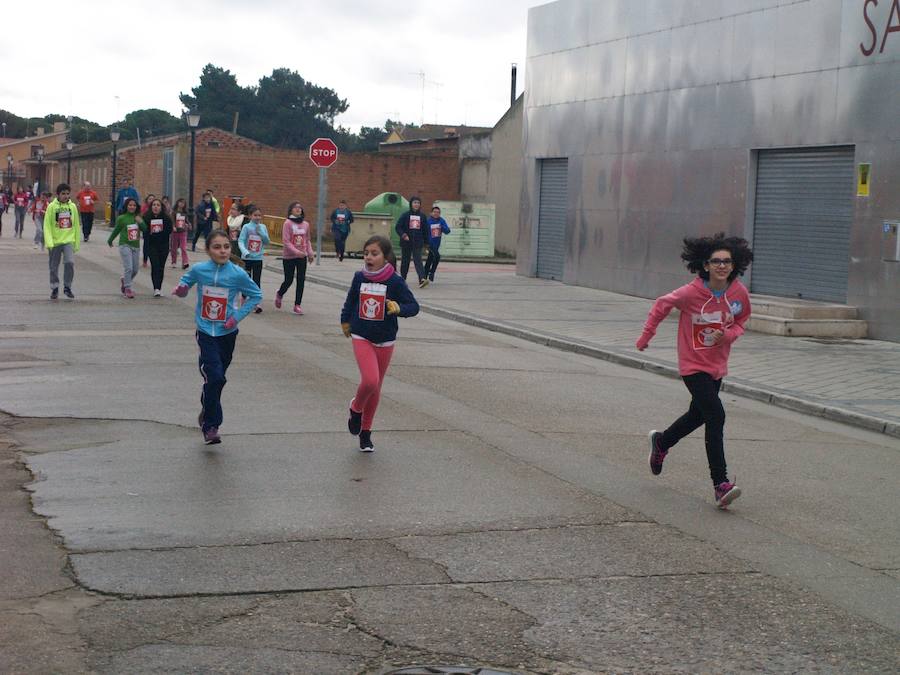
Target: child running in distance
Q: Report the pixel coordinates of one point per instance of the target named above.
(297, 250)
(376, 298)
(714, 308)
(179, 233)
(219, 282)
(129, 226)
(437, 228)
(62, 236)
(252, 242)
(38, 209)
(159, 231)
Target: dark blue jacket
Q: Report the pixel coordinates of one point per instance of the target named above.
(417, 236)
(202, 220)
(435, 242)
(379, 326)
(343, 228)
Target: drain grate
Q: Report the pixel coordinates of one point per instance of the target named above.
(446, 670)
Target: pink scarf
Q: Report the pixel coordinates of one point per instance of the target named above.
(379, 276)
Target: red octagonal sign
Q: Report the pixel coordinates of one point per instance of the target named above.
(323, 152)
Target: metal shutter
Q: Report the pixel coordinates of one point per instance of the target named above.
(801, 231)
(552, 218)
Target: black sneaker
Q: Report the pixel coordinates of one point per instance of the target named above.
(365, 442)
(54, 293)
(354, 423)
(68, 293)
(657, 454)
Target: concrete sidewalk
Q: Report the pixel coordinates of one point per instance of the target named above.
(850, 381)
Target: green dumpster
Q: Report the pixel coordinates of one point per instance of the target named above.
(392, 205)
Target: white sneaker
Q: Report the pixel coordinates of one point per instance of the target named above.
(157, 293)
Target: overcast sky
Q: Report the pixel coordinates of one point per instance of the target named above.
(120, 56)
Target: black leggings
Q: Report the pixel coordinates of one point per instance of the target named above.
(434, 257)
(294, 266)
(157, 265)
(254, 270)
(200, 229)
(706, 408)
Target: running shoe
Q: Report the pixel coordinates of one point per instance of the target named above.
(122, 285)
(129, 294)
(54, 293)
(354, 424)
(657, 454)
(157, 293)
(185, 266)
(726, 493)
(68, 293)
(365, 442)
(423, 283)
(257, 310)
(211, 436)
(277, 300)
(298, 310)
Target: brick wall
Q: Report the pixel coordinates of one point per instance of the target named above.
(273, 178)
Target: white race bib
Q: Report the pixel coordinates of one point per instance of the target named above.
(156, 226)
(254, 243)
(213, 303)
(372, 298)
(133, 232)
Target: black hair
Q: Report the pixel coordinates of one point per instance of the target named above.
(218, 232)
(291, 208)
(178, 201)
(63, 186)
(137, 207)
(435, 206)
(386, 247)
(415, 198)
(697, 251)
(251, 208)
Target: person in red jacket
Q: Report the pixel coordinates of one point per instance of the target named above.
(86, 199)
(21, 202)
(713, 310)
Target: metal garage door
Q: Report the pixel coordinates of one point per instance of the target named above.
(552, 218)
(801, 230)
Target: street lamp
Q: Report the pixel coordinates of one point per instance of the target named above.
(193, 120)
(4, 129)
(69, 146)
(40, 173)
(114, 137)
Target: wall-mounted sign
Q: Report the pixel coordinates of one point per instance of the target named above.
(863, 178)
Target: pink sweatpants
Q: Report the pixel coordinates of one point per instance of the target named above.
(373, 363)
(178, 240)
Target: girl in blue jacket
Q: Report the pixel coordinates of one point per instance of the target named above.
(252, 241)
(376, 298)
(219, 282)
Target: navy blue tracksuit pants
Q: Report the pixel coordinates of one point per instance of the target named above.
(215, 357)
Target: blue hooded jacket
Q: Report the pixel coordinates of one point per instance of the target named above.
(215, 281)
(243, 241)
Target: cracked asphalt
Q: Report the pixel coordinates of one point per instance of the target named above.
(507, 519)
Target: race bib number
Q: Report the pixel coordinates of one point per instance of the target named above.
(87, 200)
(133, 232)
(208, 212)
(704, 327)
(415, 222)
(254, 243)
(372, 298)
(213, 303)
(179, 221)
(341, 218)
(436, 231)
(64, 220)
(20, 201)
(156, 226)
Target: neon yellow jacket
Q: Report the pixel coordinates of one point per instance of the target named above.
(70, 233)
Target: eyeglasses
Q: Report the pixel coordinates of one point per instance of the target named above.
(721, 262)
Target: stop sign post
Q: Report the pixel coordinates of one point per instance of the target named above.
(323, 152)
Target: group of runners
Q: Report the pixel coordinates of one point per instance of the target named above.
(713, 308)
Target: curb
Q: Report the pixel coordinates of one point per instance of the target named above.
(751, 391)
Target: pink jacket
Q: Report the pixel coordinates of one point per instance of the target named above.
(701, 315)
(296, 240)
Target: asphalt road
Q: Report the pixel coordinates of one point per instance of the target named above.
(507, 518)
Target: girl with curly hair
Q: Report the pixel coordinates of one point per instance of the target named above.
(714, 308)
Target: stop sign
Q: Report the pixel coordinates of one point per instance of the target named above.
(323, 152)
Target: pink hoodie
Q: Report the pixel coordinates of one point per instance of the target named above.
(296, 240)
(701, 314)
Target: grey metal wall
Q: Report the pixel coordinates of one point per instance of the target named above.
(659, 106)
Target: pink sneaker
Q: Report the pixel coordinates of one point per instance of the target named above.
(726, 493)
(298, 310)
(129, 294)
(122, 285)
(278, 301)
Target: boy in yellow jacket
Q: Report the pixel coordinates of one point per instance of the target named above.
(61, 228)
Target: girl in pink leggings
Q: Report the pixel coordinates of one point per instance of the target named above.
(376, 298)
